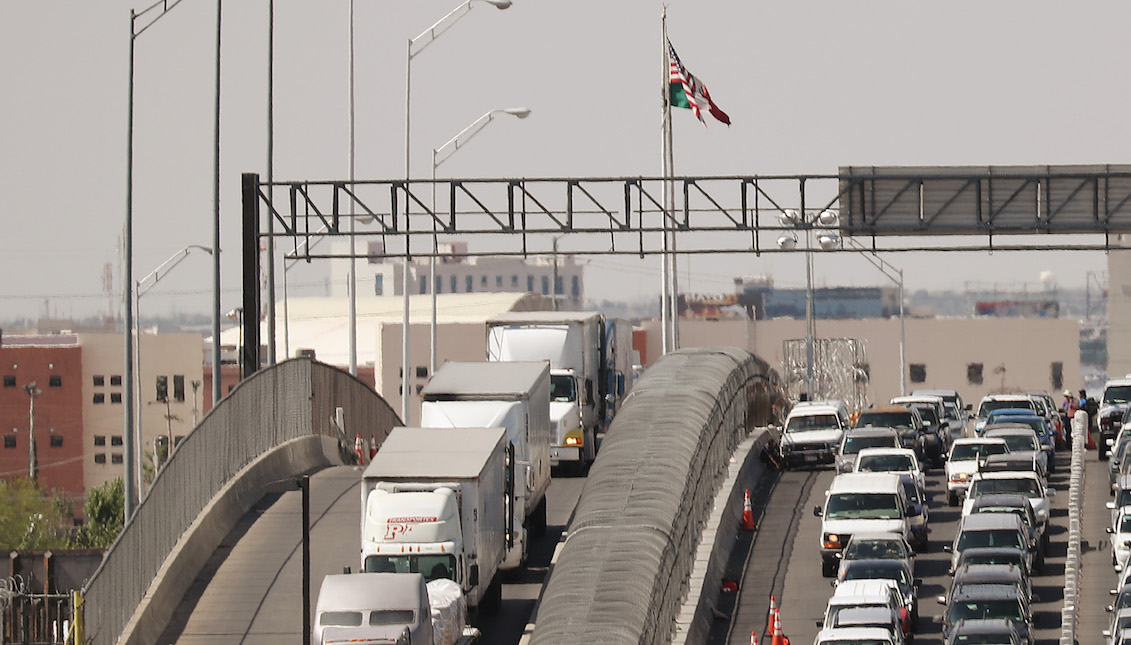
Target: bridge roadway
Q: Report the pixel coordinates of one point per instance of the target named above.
(250, 590)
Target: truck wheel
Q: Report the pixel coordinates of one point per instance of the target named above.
(952, 498)
(538, 520)
(828, 569)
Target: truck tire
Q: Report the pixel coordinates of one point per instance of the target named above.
(492, 600)
(538, 520)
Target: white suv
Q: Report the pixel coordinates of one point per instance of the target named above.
(812, 433)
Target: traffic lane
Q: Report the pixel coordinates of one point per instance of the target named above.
(1097, 576)
(522, 588)
(807, 592)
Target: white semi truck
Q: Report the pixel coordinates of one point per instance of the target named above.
(433, 502)
(513, 396)
(589, 356)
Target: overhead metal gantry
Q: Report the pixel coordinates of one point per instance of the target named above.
(896, 208)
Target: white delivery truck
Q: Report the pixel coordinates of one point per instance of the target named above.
(514, 396)
(589, 360)
(433, 503)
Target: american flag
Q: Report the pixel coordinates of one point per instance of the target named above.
(679, 74)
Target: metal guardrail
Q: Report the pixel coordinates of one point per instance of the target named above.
(294, 399)
(1075, 511)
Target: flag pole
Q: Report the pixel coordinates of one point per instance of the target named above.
(665, 138)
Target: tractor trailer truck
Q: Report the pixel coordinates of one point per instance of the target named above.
(513, 396)
(433, 502)
(589, 357)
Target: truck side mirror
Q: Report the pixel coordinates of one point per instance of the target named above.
(816, 511)
(473, 575)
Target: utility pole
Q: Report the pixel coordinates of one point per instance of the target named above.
(32, 458)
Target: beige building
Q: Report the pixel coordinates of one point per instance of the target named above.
(169, 364)
(975, 356)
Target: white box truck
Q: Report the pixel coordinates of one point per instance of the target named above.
(514, 396)
(433, 503)
(589, 360)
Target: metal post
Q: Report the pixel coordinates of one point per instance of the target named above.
(249, 316)
(32, 455)
(432, 285)
(351, 286)
(130, 491)
(902, 342)
(216, 313)
(304, 483)
(555, 282)
(405, 361)
(271, 354)
(810, 328)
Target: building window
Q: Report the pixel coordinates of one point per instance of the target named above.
(483, 282)
(99, 397)
(575, 287)
(1056, 375)
(498, 282)
(161, 388)
(115, 397)
(56, 441)
(100, 458)
(530, 283)
(455, 284)
(545, 285)
(116, 458)
(9, 441)
(468, 283)
(423, 284)
(115, 440)
(116, 380)
(421, 371)
(558, 289)
(378, 285)
(514, 281)
(55, 381)
(9, 380)
(439, 284)
(918, 373)
(99, 380)
(419, 388)
(974, 373)
(179, 387)
(100, 440)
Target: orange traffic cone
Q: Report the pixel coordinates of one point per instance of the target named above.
(773, 617)
(747, 513)
(372, 446)
(778, 637)
(359, 449)
(753, 638)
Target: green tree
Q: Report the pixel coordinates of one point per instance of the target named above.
(105, 507)
(31, 518)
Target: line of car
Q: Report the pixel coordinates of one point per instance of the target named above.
(875, 515)
(1115, 438)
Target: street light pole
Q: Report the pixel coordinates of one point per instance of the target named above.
(455, 144)
(32, 455)
(887, 269)
(432, 33)
(801, 219)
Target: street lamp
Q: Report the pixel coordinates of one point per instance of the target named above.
(452, 146)
(428, 36)
(142, 287)
(825, 221)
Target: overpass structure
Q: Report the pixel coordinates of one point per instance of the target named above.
(650, 492)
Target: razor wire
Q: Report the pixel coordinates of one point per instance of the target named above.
(840, 370)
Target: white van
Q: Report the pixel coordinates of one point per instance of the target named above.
(356, 606)
(858, 502)
(812, 433)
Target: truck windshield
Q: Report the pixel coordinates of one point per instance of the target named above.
(431, 567)
(863, 506)
(885, 420)
(853, 445)
(1117, 394)
(812, 422)
(562, 388)
(966, 451)
(985, 609)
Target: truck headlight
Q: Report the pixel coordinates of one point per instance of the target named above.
(832, 541)
(574, 438)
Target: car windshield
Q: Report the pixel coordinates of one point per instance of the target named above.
(853, 445)
(928, 414)
(911, 491)
(1025, 486)
(982, 639)
(997, 557)
(1123, 498)
(871, 571)
(1020, 442)
(863, 506)
(987, 407)
(1123, 600)
(854, 641)
(995, 537)
(1125, 524)
(1117, 394)
(885, 420)
(982, 609)
(964, 451)
(867, 549)
(812, 422)
(885, 464)
(1019, 512)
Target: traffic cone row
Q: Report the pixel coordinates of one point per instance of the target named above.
(754, 638)
(747, 513)
(777, 635)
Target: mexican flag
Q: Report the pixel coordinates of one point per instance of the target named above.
(688, 92)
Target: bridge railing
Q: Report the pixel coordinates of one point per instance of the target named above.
(295, 399)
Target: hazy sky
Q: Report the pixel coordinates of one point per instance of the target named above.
(810, 86)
